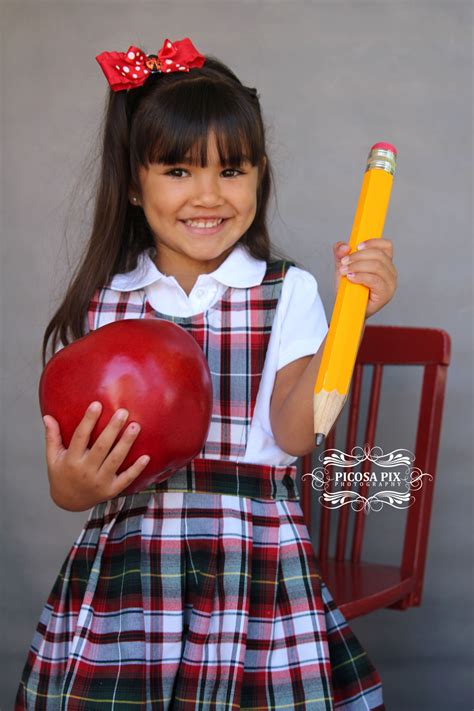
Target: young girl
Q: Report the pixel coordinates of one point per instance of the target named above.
(202, 591)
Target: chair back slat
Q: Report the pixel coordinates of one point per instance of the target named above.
(415, 545)
(369, 440)
(306, 488)
(351, 435)
(324, 533)
(324, 512)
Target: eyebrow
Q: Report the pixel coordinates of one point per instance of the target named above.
(243, 159)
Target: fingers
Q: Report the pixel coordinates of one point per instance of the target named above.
(380, 280)
(370, 260)
(371, 265)
(114, 458)
(82, 433)
(359, 262)
(125, 478)
(379, 243)
(376, 283)
(101, 447)
(341, 249)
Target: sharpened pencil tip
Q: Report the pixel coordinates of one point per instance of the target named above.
(319, 438)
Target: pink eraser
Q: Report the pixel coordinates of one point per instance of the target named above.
(385, 147)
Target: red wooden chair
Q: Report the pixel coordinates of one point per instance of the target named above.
(359, 587)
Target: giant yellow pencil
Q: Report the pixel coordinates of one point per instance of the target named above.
(343, 339)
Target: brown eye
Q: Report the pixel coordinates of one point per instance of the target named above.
(176, 170)
(233, 170)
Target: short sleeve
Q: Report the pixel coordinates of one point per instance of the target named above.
(303, 319)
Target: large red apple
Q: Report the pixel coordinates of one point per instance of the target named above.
(153, 368)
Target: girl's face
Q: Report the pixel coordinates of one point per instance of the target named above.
(172, 194)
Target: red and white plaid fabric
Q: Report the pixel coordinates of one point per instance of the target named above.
(201, 592)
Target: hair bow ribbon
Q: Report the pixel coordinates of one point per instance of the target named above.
(127, 70)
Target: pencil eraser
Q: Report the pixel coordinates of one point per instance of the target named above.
(385, 147)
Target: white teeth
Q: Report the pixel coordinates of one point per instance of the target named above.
(203, 224)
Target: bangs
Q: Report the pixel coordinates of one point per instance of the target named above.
(176, 128)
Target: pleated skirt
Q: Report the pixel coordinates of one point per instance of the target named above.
(196, 593)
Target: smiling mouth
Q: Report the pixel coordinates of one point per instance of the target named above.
(204, 230)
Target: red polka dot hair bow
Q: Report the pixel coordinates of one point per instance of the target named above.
(127, 70)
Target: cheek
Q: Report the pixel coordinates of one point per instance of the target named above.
(160, 207)
(252, 206)
(246, 201)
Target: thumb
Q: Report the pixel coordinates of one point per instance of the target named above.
(54, 443)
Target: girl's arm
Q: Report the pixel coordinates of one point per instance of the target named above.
(291, 404)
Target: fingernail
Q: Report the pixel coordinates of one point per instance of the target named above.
(95, 407)
(361, 245)
(45, 422)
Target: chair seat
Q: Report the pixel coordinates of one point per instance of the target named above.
(360, 588)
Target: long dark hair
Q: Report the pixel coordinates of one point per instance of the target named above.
(161, 121)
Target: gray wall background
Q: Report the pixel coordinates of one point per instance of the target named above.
(334, 77)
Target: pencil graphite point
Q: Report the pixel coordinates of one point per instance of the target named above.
(319, 438)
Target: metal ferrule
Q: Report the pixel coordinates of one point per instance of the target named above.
(383, 160)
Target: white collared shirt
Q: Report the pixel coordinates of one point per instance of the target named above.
(298, 330)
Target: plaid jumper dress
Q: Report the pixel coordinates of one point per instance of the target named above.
(201, 592)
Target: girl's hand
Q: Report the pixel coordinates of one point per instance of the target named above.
(372, 266)
(80, 478)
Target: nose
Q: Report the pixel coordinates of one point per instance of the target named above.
(207, 191)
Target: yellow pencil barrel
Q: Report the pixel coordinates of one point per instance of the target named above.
(340, 351)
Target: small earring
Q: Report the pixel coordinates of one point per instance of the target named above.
(134, 199)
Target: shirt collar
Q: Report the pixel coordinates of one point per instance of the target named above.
(239, 269)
